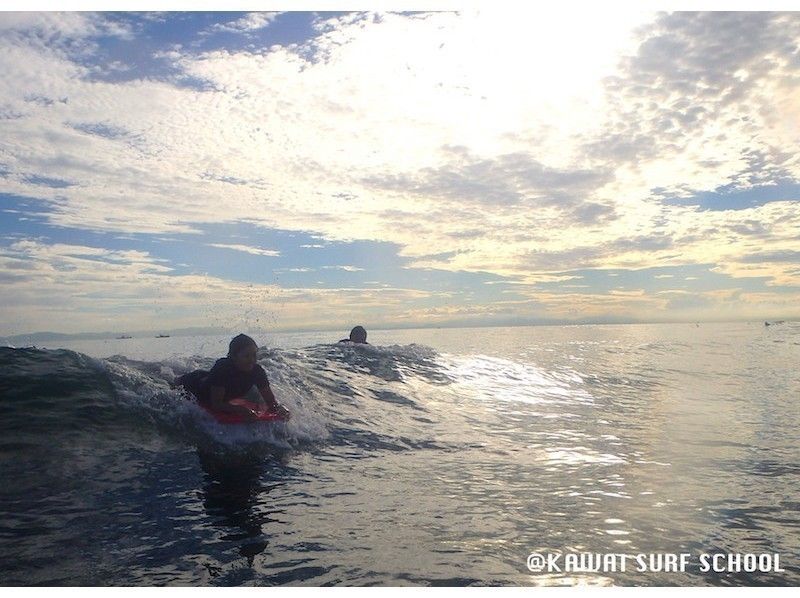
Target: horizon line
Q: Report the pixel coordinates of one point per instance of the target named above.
(209, 331)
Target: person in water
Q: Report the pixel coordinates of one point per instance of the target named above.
(233, 377)
(358, 335)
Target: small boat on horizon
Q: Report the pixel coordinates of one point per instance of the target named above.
(124, 336)
(162, 336)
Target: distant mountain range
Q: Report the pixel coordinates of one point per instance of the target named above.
(39, 337)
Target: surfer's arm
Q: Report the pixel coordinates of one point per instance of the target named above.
(267, 397)
(218, 403)
(270, 401)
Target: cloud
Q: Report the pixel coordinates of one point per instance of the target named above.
(47, 182)
(626, 250)
(63, 256)
(789, 256)
(253, 21)
(59, 30)
(344, 268)
(102, 130)
(516, 146)
(246, 249)
(507, 180)
(560, 260)
(73, 288)
(723, 78)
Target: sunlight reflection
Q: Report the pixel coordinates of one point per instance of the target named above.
(580, 455)
(512, 381)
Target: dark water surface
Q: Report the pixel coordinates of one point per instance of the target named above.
(431, 458)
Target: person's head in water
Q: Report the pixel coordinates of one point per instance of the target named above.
(358, 335)
(242, 351)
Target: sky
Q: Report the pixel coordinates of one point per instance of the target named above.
(317, 170)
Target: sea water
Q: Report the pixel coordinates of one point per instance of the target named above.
(430, 457)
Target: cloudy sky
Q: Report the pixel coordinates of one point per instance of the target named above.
(319, 169)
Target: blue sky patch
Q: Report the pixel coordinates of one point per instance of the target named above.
(695, 278)
(44, 181)
(731, 198)
(145, 55)
(303, 260)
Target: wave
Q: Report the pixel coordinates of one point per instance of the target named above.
(361, 396)
(346, 400)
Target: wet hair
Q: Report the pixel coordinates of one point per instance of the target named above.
(238, 343)
(358, 335)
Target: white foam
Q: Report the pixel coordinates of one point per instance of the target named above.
(150, 392)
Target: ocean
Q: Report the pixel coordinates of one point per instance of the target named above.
(428, 458)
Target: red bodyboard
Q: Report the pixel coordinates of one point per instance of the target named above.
(262, 414)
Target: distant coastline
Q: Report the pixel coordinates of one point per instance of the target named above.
(39, 337)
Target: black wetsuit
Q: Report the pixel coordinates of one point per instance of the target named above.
(225, 374)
